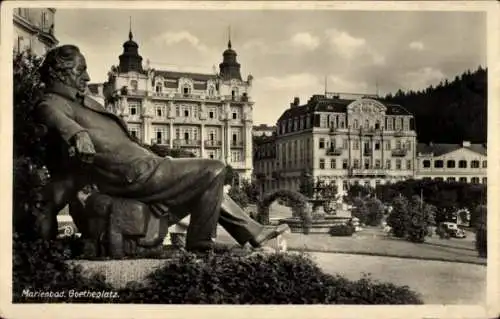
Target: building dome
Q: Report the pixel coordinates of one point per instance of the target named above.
(130, 60)
(229, 68)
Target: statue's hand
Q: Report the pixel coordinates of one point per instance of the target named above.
(84, 147)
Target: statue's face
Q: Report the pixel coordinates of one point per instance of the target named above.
(78, 76)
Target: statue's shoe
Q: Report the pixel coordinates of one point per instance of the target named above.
(268, 234)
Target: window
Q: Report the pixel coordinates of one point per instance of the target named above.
(235, 116)
(186, 113)
(408, 145)
(367, 163)
(345, 185)
(186, 90)
(450, 164)
(474, 180)
(159, 110)
(463, 179)
(462, 164)
(211, 92)
(377, 182)
(158, 87)
(133, 108)
(367, 124)
(377, 125)
(134, 132)
(321, 143)
(387, 145)
(355, 145)
(388, 164)
(474, 164)
(398, 164)
(377, 163)
(333, 163)
(356, 163)
(344, 163)
(355, 123)
(426, 163)
(133, 84)
(345, 143)
(177, 133)
(321, 163)
(438, 164)
(485, 164)
(377, 146)
(485, 180)
(408, 164)
(211, 114)
(450, 179)
(389, 124)
(438, 179)
(177, 111)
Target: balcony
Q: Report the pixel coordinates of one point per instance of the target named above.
(334, 151)
(237, 144)
(186, 143)
(400, 152)
(368, 172)
(135, 93)
(367, 152)
(399, 133)
(370, 131)
(213, 143)
(155, 141)
(236, 98)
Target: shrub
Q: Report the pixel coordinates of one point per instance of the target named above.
(341, 230)
(360, 210)
(481, 231)
(258, 279)
(40, 265)
(398, 218)
(239, 196)
(421, 217)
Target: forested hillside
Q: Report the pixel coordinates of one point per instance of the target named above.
(450, 112)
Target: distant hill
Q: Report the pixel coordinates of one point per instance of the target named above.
(451, 112)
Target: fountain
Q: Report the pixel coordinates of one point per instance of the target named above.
(315, 219)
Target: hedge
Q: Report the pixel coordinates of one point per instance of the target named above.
(214, 279)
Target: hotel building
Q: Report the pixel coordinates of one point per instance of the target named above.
(342, 139)
(209, 115)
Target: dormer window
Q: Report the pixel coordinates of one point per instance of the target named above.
(211, 91)
(159, 87)
(186, 90)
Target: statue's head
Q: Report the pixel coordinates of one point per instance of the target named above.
(67, 65)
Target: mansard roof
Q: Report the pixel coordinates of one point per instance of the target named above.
(319, 103)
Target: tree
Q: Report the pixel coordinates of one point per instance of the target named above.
(239, 196)
(360, 210)
(306, 186)
(30, 148)
(231, 176)
(357, 190)
(421, 216)
(399, 217)
(375, 210)
(251, 189)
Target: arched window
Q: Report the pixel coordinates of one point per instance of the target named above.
(186, 90)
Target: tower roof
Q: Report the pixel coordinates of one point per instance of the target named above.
(229, 68)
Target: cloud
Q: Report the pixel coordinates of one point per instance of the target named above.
(416, 45)
(293, 81)
(338, 84)
(173, 38)
(422, 78)
(305, 40)
(350, 47)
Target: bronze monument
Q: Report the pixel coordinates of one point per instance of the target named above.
(122, 196)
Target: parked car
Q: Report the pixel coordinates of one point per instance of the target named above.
(66, 226)
(448, 230)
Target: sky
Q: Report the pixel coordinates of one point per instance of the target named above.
(289, 53)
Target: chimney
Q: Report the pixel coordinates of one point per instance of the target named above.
(296, 101)
(466, 144)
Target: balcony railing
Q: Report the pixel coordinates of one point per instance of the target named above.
(187, 143)
(213, 143)
(334, 151)
(400, 152)
(131, 92)
(236, 143)
(399, 133)
(236, 98)
(159, 141)
(368, 172)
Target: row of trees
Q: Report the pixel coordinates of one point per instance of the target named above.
(450, 112)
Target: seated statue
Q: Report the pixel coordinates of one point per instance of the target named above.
(135, 194)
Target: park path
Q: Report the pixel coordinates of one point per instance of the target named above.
(438, 282)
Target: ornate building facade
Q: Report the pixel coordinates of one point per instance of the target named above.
(464, 162)
(34, 29)
(341, 139)
(209, 115)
